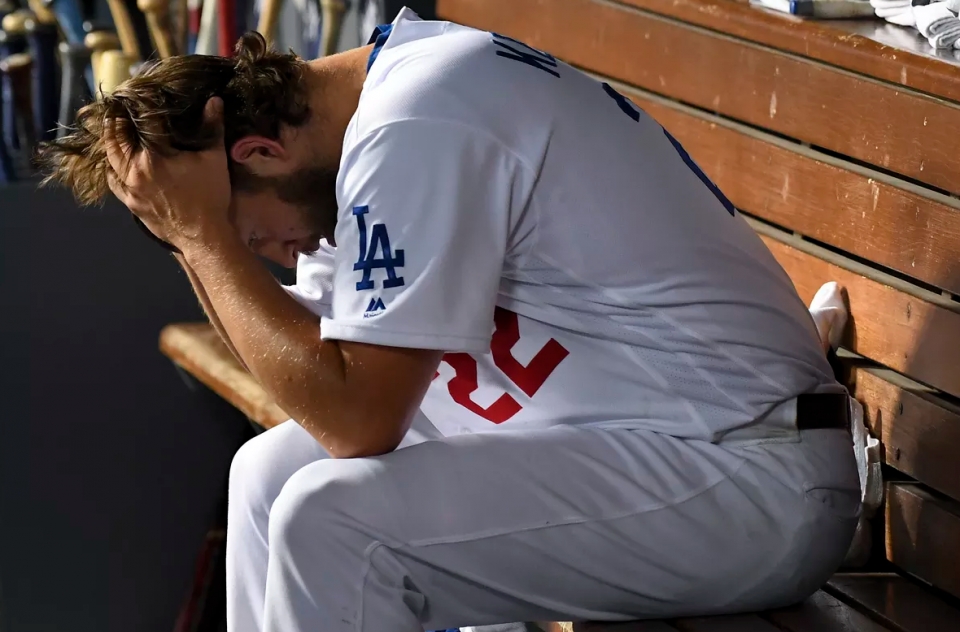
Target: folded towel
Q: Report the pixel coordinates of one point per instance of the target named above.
(938, 24)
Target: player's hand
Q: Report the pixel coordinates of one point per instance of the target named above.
(184, 198)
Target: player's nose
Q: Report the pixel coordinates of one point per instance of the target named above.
(283, 253)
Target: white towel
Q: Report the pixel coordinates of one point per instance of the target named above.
(938, 24)
(898, 12)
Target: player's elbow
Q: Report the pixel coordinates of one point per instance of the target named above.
(365, 438)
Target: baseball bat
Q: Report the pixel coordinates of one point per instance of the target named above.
(115, 68)
(18, 70)
(125, 29)
(99, 42)
(42, 34)
(226, 27)
(159, 25)
(180, 19)
(6, 7)
(194, 13)
(269, 17)
(332, 11)
(74, 87)
(69, 14)
(8, 172)
(12, 42)
(207, 37)
(70, 18)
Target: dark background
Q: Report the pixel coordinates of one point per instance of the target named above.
(111, 468)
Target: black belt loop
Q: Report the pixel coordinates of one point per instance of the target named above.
(823, 410)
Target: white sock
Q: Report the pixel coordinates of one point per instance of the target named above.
(829, 314)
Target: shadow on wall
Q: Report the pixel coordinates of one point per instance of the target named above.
(110, 469)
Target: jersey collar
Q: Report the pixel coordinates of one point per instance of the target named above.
(378, 39)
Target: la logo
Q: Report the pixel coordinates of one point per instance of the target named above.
(376, 254)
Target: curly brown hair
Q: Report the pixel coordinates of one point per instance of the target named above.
(161, 110)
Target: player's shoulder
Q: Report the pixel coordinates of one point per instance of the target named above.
(422, 73)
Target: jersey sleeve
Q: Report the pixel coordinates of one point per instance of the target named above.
(314, 286)
(421, 236)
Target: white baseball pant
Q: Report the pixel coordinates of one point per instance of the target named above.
(568, 523)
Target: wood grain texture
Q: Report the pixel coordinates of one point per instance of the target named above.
(916, 337)
(901, 229)
(850, 44)
(923, 535)
(901, 130)
(896, 601)
(198, 349)
(920, 433)
(822, 613)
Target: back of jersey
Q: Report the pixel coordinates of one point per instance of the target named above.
(616, 237)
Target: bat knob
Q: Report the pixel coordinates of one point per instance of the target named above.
(101, 40)
(16, 63)
(15, 23)
(149, 6)
(42, 12)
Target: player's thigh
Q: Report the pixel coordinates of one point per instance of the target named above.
(548, 516)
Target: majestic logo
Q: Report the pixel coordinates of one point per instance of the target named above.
(379, 244)
(375, 308)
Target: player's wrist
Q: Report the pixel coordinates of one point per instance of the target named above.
(212, 239)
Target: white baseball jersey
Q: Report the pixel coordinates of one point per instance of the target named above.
(563, 250)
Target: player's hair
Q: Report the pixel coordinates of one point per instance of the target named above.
(161, 110)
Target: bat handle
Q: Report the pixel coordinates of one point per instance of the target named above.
(158, 23)
(46, 86)
(8, 172)
(269, 16)
(125, 30)
(17, 68)
(114, 69)
(333, 11)
(98, 42)
(74, 91)
(10, 44)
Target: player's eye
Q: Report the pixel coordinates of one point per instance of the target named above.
(252, 240)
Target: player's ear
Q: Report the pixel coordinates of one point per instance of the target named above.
(260, 155)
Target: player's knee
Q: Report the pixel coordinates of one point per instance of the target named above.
(318, 500)
(257, 472)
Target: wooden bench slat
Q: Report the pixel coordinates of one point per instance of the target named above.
(773, 179)
(199, 350)
(901, 130)
(923, 535)
(732, 623)
(823, 613)
(920, 434)
(916, 337)
(896, 601)
(850, 44)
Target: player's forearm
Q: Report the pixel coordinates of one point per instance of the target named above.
(279, 341)
(207, 307)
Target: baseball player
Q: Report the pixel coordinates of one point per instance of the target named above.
(538, 366)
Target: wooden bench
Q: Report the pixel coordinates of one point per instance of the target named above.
(838, 143)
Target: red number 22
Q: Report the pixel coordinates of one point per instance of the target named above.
(528, 378)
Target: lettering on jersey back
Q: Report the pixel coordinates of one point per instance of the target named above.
(528, 378)
(518, 51)
(628, 108)
(379, 244)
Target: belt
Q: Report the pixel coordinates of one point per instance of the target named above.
(823, 410)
